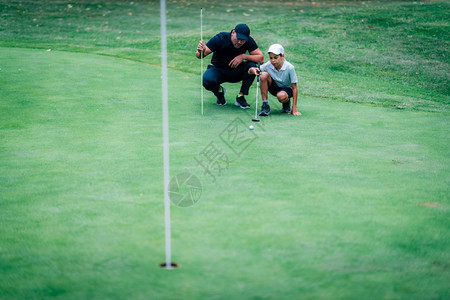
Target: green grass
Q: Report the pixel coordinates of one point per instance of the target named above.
(348, 201)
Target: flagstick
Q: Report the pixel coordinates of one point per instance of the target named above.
(165, 120)
(201, 56)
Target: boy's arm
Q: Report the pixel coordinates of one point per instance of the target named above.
(294, 104)
(254, 71)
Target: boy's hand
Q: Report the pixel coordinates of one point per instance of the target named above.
(254, 71)
(295, 112)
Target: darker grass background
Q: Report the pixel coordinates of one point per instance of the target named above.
(392, 54)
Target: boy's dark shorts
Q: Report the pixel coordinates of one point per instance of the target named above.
(274, 89)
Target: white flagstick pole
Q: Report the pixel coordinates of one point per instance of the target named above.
(201, 56)
(165, 120)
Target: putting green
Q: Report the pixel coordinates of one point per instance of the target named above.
(346, 200)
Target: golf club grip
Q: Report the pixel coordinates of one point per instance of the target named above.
(257, 76)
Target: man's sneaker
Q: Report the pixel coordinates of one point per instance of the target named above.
(265, 110)
(221, 97)
(241, 102)
(286, 107)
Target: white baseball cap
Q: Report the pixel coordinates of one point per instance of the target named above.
(276, 49)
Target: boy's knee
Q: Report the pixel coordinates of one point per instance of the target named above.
(264, 76)
(283, 97)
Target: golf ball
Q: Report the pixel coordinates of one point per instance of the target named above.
(251, 127)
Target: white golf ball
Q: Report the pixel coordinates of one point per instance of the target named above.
(251, 127)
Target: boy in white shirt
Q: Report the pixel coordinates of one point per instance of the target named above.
(277, 77)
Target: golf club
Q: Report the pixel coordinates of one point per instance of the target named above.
(255, 119)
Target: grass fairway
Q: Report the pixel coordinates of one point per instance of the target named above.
(349, 201)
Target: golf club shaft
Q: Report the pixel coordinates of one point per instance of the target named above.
(257, 91)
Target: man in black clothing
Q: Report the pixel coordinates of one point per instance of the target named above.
(230, 62)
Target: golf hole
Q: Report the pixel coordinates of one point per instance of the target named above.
(172, 265)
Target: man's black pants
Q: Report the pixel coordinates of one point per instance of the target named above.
(214, 77)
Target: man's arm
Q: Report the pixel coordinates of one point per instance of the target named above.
(254, 56)
(294, 104)
(202, 48)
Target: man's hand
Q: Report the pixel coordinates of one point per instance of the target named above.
(235, 62)
(295, 112)
(200, 49)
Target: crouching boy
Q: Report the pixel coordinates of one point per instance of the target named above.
(277, 77)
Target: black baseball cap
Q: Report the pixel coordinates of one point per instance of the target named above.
(242, 31)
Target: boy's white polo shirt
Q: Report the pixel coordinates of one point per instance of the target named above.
(283, 78)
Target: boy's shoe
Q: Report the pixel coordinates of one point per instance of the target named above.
(241, 102)
(221, 97)
(265, 110)
(286, 107)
